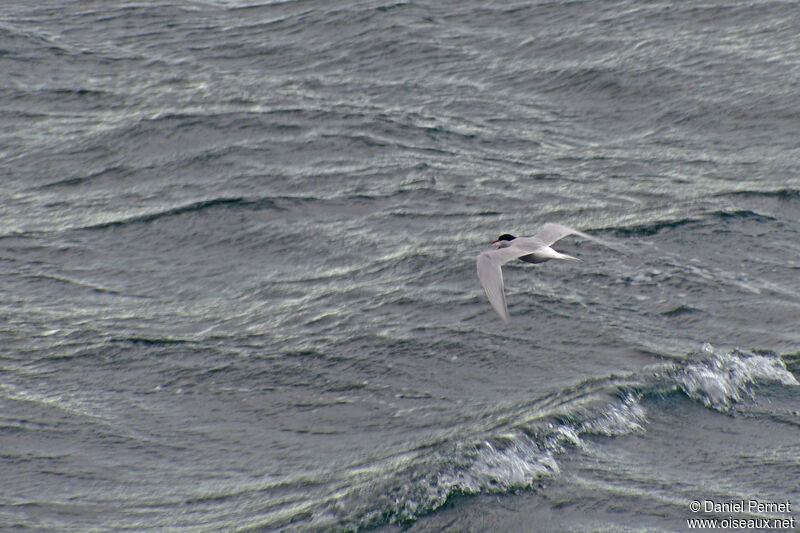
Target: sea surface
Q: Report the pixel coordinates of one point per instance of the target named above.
(237, 264)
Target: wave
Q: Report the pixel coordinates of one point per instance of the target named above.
(348, 203)
(785, 193)
(742, 213)
(518, 447)
(651, 228)
(276, 203)
(654, 227)
(179, 210)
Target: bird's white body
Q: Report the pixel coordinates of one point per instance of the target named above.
(534, 249)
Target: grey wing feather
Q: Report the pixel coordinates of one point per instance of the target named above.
(490, 273)
(550, 233)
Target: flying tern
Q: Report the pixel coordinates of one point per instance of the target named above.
(534, 249)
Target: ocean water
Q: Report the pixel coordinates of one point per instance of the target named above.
(237, 264)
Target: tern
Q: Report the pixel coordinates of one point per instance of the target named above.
(534, 249)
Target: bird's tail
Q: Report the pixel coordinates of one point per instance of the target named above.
(567, 257)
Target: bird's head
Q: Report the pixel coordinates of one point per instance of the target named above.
(504, 240)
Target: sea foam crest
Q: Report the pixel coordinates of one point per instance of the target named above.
(627, 417)
(522, 452)
(719, 380)
(516, 457)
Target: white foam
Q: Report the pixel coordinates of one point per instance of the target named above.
(723, 379)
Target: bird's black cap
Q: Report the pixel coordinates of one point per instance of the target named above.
(506, 237)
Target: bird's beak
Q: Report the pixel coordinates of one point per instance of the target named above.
(494, 242)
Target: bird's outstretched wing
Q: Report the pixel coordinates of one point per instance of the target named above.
(549, 234)
(552, 232)
(490, 273)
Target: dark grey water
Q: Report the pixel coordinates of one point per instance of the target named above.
(237, 264)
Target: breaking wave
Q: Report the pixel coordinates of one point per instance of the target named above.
(518, 447)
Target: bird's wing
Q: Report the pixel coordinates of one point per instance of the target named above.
(550, 233)
(491, 275)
